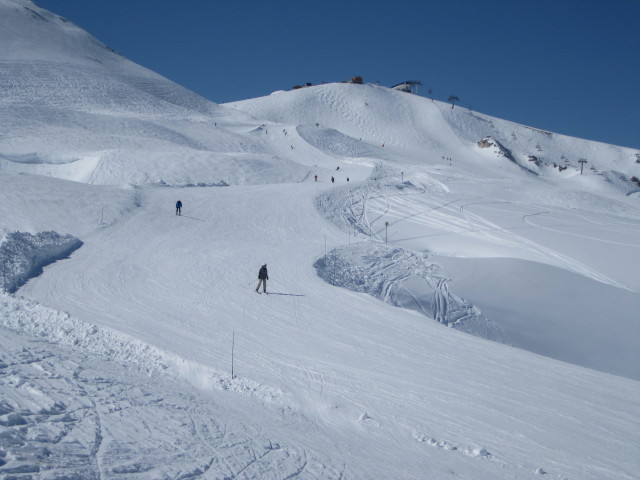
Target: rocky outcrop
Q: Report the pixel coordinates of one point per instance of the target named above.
(500, 150)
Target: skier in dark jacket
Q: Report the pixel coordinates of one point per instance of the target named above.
(178, 207)
(263, 276)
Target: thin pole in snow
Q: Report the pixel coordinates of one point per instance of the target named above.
(334, 267)
(233, 343)
(582, 162)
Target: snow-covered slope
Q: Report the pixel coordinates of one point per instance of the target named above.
(537, 256)
(73, 108)
(427, 130)
(116, 361)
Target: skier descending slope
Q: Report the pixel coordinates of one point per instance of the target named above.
(178, 207)
(263, 276)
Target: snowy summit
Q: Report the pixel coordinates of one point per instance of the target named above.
(449, 295)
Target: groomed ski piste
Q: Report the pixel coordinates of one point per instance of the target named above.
(464, 306)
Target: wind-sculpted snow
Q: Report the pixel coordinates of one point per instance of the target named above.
(23, 255)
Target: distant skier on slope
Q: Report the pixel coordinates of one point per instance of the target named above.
(178, 207)
(263, 276)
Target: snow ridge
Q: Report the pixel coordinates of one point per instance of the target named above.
(23, 255)
(25, 316)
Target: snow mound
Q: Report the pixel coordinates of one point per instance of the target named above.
(28, 317)
(399, 276)
(23, 255)
(404, 279)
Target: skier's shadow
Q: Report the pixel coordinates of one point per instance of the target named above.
(192, 218)
(286, 294)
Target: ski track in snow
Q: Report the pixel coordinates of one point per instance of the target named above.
(393, 266)
(467, 223)
(73, 412)
(480, 224)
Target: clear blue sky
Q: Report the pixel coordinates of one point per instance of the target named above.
(569, 66)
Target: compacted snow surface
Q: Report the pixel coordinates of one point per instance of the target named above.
(459, 302)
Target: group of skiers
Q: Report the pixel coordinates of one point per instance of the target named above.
(333, 180)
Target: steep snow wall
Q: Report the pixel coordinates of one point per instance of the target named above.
(23, 255)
